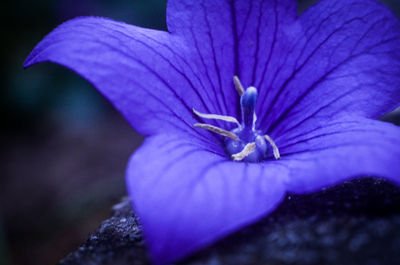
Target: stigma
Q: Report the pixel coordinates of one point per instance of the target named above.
(245, 142)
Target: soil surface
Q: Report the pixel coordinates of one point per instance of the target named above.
(357, 222)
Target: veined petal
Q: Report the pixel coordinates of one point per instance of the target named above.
(341, 150)
(231, 38)
(344, 57)
(339, 59)
(138, 69)
(187, 197)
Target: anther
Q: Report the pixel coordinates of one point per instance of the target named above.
(247, 150)
(216, 117)
(275, 149)
(217, 130)
(238, 85)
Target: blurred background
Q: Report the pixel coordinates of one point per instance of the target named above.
(63, 147)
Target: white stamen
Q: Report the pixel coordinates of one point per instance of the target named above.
(217, 117)
(247, 150)
(254, 121)
(274, 147)
(238, 85)
(216, 129)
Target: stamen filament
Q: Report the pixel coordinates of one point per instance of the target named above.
(247, 150)
(238, 85)
(217, 117)
(216, 129)
(275, 149)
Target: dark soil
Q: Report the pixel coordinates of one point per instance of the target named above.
(357, 222)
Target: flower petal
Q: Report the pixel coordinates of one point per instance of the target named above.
(187, 197)
(230, 38)
(138, 69)
(341, 150)
(344, 58)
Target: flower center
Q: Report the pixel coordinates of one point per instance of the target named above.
(243, 143)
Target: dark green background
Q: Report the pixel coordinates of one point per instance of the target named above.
(63, 147)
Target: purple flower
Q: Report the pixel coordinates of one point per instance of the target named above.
(322, 79)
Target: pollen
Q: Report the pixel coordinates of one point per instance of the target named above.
(245, 142)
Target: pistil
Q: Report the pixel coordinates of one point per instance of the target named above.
(243, 143)
(248, 104)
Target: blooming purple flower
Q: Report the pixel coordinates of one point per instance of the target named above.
(322, 79)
